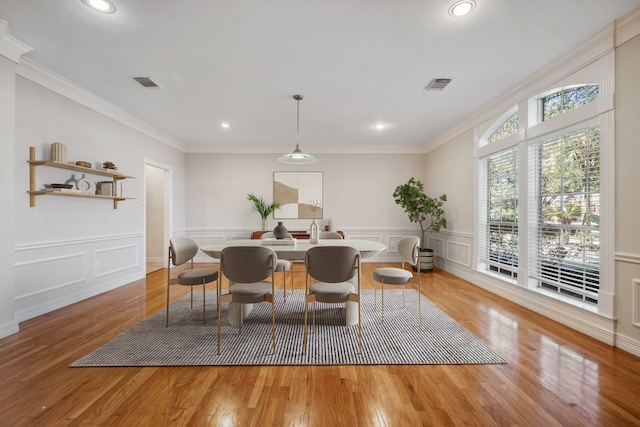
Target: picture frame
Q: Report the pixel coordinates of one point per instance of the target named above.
(299, 193)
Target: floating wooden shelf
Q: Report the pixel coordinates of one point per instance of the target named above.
(33, 193)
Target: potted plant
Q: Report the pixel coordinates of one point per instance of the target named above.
(426, 211)
(263, 208)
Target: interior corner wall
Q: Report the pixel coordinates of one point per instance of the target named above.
(71, 248)
(357, 194)
(627, 170)
(8, 323)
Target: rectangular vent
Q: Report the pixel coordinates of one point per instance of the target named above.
(438, 84)
(146, 81)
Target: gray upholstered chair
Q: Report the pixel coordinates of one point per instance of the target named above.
(408, 248)
(330, 235)
(250, 272)
(283, 264)
(181, 250)
(331, 268)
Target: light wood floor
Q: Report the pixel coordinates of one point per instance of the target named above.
(554, 376)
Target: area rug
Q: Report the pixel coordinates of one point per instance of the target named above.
(399, 340)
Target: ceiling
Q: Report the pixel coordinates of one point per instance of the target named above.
(356, 62)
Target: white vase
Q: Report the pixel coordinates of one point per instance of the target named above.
(313, 232)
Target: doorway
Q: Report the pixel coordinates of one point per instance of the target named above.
(157, 207)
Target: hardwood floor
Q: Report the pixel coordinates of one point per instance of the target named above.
(554, 375)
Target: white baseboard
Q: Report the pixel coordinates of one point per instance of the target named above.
(9, 329)
(55, 304)
(627, 344)
(596, 327)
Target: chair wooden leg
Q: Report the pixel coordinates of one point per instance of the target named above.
(419, 305)
(204, 304)
(382, 310)
(218, 292)
(375, 294)
(273, 326)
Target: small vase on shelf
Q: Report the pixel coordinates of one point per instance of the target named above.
(313, 232)
(280, 231)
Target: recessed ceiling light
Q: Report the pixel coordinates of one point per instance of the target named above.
(461, 8)
(380, 126)
(104, 6)
(225, 125)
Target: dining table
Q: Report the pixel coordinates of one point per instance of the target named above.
(289, 249)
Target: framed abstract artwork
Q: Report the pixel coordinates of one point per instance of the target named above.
(299, 193)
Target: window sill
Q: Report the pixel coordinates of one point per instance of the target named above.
(587, 306)
(591, 308)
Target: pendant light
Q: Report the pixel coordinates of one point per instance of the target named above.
(298, 157)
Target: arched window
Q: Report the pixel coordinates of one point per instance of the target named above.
(508, 127)
(567, 99)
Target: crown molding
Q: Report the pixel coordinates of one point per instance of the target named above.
(38, 74)
(11, 47)
(325, 149)
(627, 27)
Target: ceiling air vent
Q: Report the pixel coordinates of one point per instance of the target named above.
(146, 81)
(438, 84)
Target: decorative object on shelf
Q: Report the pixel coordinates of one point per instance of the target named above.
(280, 231)
(65, 186)
(83, 164)
(105, 188)
(314, 205)
(109, 165)
(297, 157)
(332, 226)
(263, 208)
(59, 152)
(116, 178)
(85, 185)
(421, 208)
(292, 190)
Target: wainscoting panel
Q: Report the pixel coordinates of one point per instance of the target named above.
(437, 244)
(40, 276)
(116, 259)
(51, 275)
(459, 253)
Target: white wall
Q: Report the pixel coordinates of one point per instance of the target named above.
(357, 194)
(627, 195)
(8, 324)
(66, 248)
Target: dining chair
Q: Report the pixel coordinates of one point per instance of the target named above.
(249, 270)
(331, 268)
(182, 250)
(330, 235)
(408, 248)
(283, 264)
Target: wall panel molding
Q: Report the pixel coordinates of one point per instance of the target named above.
(627, 257)
(70, 242)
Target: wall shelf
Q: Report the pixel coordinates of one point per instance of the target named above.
(33, 193)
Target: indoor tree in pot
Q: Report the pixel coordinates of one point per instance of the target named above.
(426, 211)
(263, 208)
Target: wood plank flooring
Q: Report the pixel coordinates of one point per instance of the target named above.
(554, 375)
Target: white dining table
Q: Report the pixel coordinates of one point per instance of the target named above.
(295, 251)
(366, 248)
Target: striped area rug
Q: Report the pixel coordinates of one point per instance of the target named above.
(399, 340)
